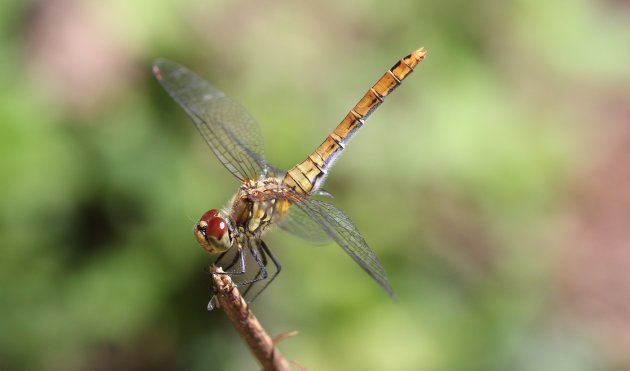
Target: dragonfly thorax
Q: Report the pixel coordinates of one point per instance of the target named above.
(258, 204)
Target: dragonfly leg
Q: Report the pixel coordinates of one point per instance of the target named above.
(265, 251)
(258, 274)
(262, 274)
(239, 255)
(261, 255)
(223, 254)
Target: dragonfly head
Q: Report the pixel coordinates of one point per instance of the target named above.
(212, 232)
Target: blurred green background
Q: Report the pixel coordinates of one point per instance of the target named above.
(494, 184)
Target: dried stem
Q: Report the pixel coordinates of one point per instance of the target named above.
(237, 311)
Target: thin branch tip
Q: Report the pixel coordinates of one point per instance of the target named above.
(245, 323)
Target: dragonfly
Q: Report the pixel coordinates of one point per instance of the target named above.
(267, 195)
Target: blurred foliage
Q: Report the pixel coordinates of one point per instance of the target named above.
(461, 182)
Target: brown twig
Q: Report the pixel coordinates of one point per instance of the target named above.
(237, 311)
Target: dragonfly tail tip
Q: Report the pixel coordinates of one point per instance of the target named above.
(420, 53)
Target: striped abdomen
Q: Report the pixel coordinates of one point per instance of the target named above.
(309, 175)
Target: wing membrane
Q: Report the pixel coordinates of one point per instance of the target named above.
(341, 229)
(302, 225)
(228, 129)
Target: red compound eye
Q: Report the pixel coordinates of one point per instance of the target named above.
(216, 227)
(209, 215)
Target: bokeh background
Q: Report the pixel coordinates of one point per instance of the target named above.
(494, 184)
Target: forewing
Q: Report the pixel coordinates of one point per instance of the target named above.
(339, 227)
(226, 126)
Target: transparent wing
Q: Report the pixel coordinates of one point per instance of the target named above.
(302, 225)
(226, 126)
(339, 227)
